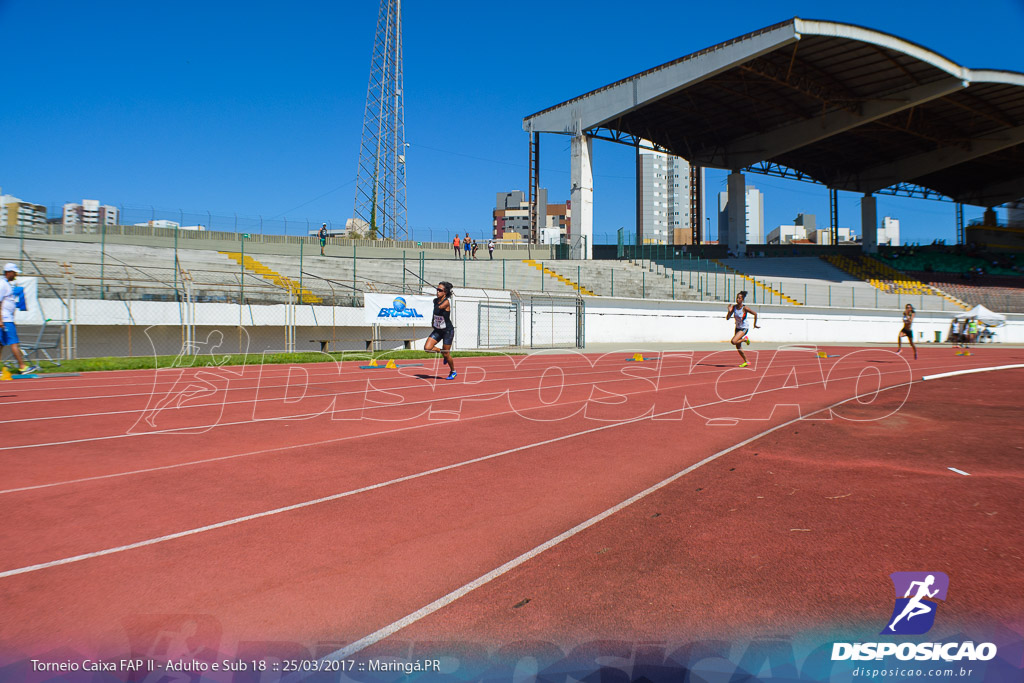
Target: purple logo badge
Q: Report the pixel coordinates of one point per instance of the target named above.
(916, 596)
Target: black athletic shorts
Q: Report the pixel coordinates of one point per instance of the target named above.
(446, 337)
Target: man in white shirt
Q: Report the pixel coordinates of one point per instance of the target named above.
(9, 333)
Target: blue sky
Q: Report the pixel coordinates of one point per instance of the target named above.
(211, 110)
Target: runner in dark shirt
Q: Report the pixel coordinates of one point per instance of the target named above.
(444, 330)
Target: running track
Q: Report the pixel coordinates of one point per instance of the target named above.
(324, 506)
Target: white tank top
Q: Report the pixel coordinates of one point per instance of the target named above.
(739, 314)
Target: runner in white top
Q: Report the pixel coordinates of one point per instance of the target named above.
(9, 333)
(741, 314)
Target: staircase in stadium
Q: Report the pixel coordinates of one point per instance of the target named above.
(302, 295)
(886, 278)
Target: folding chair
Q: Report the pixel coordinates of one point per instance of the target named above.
(48, 338)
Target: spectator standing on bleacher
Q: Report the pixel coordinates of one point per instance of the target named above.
(457, 244)
(323, 238)
(465, 247)
(9, 333)
(490, 248)
(908, 321)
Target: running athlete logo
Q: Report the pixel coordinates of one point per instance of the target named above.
(399, 309)
(914, 612)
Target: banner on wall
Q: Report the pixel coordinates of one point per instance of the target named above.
(398, 310)
(34, 313)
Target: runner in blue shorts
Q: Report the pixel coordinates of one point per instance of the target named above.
(444, 331)
(9, 333)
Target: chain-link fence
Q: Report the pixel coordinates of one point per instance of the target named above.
(133, 300)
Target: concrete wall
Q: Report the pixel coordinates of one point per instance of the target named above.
(648, 321)
(105, 328)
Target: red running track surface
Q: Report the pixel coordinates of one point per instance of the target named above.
(321, 504)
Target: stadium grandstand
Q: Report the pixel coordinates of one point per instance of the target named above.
(844, 106)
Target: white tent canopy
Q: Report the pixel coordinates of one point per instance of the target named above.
(984, 315)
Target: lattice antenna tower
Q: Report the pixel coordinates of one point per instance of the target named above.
(380, 178)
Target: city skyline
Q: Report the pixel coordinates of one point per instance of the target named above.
(257, 113)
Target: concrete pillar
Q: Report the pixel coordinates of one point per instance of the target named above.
(737, 237)
(869, 224)
(582, 198)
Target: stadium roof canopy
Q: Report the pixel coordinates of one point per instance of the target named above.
(853, 108)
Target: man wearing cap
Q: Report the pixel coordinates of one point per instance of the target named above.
(9, 333)
(323, 238)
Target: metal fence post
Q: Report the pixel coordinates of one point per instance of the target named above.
(643, 285)
(302, 242)
(542, 276)
(241, 277)
(503, 273)
(103, 251)
(612, 271)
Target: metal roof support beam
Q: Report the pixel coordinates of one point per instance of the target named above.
(615, 100)
(960, 224)
(884, 175)
(993, 195)
(755, 148)
(581, 197)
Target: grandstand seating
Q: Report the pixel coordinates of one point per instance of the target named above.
(926, 261)
(148, 273)
(625, 279)
(1001, 294)
(886, 278)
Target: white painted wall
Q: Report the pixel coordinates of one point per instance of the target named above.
(607, 320)
(648, 321)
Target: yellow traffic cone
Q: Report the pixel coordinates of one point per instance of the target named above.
(391, 365)
(373, 363)
(638, 357)
(5, 375)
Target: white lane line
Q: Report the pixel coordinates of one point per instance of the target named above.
(353, 436)
(616, 373)
(615, 376)
(966, 474)
(451, 597)
(493, 373)
(972, 371)
(173, 376)
(276, 511)
(309, 503)
(345, 438)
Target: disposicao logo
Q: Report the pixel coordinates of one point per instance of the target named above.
(914, 614)
(399, 309)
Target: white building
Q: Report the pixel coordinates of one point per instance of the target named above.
(14, 211)
(824, 236)
(889, 233)
(755, 215)
(663, 198)
(161, 223)
(90, 214)
(787, 234)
